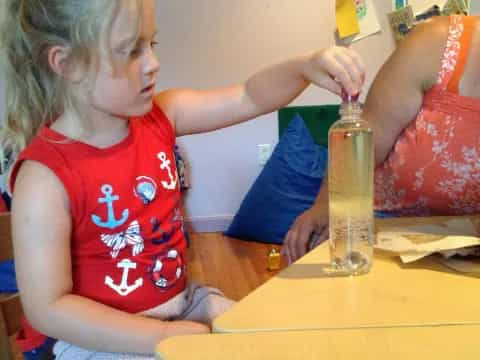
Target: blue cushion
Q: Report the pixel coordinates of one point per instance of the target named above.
(7, 277)
(286, 187)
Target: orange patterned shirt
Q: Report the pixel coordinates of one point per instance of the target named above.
(434, 166)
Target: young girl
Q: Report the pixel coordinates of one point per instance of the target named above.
(100, 252)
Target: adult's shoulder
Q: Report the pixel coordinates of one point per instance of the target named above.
(419, 56)
(428, 38)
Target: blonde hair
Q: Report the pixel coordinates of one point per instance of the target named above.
(34, 93)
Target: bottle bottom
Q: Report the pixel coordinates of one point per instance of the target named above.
(354, 263)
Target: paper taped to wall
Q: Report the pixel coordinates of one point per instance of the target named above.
(398, 4)
(346, 18)
(367, 19)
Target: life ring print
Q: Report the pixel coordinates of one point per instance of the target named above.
(168, 268)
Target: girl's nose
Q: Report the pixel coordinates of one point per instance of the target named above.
(152, 65)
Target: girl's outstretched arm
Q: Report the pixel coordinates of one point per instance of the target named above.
(194, 111)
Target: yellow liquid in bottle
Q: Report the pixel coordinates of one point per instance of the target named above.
(350, 184)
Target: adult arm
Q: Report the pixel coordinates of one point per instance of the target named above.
(393, 101)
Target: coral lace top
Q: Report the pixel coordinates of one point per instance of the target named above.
(434, 167)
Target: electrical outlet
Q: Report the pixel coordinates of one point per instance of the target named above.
(264, 152)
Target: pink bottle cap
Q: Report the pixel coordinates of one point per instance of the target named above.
(346, 97)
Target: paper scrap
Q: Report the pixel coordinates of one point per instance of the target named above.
(414, 242)
(367, 19)
(398, 4)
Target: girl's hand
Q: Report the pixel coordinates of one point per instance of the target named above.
(335, 68)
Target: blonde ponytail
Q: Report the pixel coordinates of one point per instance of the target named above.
(34, 93)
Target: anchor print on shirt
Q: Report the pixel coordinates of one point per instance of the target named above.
(164, 236)
(159, 234)
(111, 222)
(131, 236)
(166, 165)
(123, 289)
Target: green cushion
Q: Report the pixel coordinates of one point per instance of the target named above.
(318, 119)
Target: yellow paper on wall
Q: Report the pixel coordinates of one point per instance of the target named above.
(346, 16)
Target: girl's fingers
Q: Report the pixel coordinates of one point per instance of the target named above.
(339, 73)
(351, 68)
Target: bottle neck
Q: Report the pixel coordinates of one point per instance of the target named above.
(350, 111)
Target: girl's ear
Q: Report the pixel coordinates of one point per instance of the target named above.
(58, 59)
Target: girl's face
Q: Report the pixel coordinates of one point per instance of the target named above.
(125, 83)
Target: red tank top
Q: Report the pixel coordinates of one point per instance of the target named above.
(434, 167)
(127, 244)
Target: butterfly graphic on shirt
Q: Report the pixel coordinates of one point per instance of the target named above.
(130, 237)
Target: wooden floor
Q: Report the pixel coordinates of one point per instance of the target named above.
(234, 266)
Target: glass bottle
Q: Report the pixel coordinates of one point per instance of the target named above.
(350, 190)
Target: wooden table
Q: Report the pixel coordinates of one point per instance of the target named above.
(440, 343)
(301, 297)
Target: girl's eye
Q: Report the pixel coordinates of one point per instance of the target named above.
(135, 52)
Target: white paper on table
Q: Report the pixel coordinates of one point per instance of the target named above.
(446, 255)
(444, 240)
(408, 258)
(414, 242)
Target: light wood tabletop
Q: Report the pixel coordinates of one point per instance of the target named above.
(440, 343)
(301, 297)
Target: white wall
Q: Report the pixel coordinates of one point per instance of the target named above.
(475, 7)
(205, 43)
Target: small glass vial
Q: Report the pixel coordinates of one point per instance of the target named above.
(274, 260)
(350, 190)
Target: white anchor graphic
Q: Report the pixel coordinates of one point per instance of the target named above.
(123, 289)
(166, 164)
